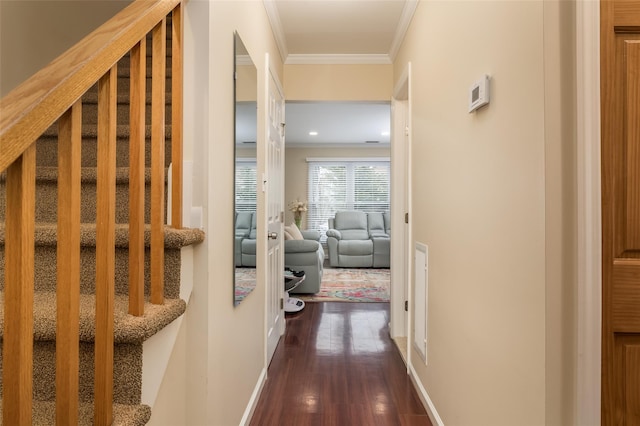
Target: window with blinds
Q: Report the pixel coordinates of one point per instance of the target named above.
(246, 186)
(346, 185)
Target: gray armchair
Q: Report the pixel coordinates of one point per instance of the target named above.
(306, 255)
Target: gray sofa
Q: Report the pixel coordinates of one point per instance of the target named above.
(360, 240)
(300, 255)
(306, 255)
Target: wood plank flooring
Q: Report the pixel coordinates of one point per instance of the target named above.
(336, 365)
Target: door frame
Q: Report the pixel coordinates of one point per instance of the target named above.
(589, 216)
(401, 259)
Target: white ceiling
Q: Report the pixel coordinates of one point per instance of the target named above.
(338, 32)
(337, 124)
(344, 31)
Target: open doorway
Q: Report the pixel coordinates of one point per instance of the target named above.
(338, 159)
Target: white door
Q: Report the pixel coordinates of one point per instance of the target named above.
(274, 202)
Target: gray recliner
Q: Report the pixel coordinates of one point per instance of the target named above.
(243, 229)
(357, 239)
(249, 245)
(348, 240)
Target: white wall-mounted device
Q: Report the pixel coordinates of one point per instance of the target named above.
(479, 93)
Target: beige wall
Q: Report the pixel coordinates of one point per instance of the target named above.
(225, 353)
(296, 169)
(34, 32)
(338, 82)
(236, 335)
(479, 204)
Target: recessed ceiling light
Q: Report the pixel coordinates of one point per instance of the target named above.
(313, 133)
(384, 133)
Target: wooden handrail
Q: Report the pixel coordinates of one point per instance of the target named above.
(53, 94)
(28, 110)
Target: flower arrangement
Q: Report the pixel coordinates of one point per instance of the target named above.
(298, 208)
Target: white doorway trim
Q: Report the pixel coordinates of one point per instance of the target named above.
(401, 258)
(589, 303)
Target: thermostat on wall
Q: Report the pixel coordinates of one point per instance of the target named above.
(479, 93)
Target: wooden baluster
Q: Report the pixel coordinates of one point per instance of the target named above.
(176, 117)
(17, 348)
(105, 248)
(68, 265)
(136, 178)
(158, 73)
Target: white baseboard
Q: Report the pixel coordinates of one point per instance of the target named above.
(424, 397)
(255, 396)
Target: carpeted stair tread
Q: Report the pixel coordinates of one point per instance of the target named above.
(123, 98)
(46, 235)
(127, 328)
(44, 414)
(87, 174)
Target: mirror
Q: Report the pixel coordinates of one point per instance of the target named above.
(246, 123)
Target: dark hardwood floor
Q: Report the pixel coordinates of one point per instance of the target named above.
(336, 365)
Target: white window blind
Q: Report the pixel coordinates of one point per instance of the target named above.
(246, 186)
(346, 185)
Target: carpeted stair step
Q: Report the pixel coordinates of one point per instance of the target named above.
(90, 108)
(129, 335)
(130, 332)
(124, 70)
(47, 146)
(45, 257)
(47, 190)
(44, 414)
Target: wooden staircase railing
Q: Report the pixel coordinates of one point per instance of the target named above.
(53, 94)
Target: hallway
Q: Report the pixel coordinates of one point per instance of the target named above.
(336, 365)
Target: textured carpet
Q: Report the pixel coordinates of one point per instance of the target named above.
(352, 285)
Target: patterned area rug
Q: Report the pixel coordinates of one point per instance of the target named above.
(245, 282)
(338, 285)
(352, 285)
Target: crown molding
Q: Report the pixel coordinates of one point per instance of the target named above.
(276, 27)
(403, 25)
(338, 59)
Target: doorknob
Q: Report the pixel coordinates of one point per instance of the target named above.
(272, 235)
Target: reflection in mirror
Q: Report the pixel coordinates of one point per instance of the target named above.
(246, 91)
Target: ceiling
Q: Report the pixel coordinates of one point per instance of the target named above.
(338, 32)
(345, 124)
(316, 30)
